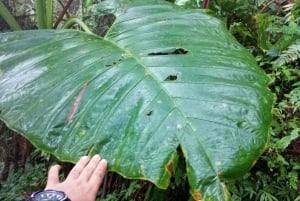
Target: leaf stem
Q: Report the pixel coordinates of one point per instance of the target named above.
(40, 4)
(44, 13)
(49, 14)
(8, 18)
(73, 21)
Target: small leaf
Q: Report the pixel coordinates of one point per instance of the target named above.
(285, 141)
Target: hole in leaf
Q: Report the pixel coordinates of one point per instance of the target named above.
(240, 124)
(59, 125)
(171, 78)
(70, 60)
(149, 113)
(173, 51)
(115, 62)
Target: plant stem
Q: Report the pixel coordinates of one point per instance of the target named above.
(8, 18)
(44, 13)
(205, 4)
(49, 14)
(73, 21)
(40, 5)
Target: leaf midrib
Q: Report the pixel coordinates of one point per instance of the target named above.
(127, 51)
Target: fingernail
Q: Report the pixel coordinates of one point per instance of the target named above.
(104, 161)
(56, 166)
(97, 156)
(85, 157)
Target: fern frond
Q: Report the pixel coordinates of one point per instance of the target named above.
(288, 8)
(291, 29)
(290, 55)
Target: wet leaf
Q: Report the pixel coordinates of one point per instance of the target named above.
(163, 77)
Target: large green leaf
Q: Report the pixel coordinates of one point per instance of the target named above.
(162, 78)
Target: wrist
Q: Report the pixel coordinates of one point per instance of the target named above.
(49, 195)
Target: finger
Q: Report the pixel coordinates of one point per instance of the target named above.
(53, 176)
(78, 168)
(98, 176)
(90, 168)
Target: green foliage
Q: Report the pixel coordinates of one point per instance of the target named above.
(262, 26)
(285, 141)
(22, 183)
(44, 13)
(8, 17)
(270, 30)
(188, 3)
(273, 178)
(178, 189)
(124, 194)
(45, 10)
(292, 54)
(125, 94)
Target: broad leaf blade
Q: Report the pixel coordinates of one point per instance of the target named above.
(216, 86)
(163, 77)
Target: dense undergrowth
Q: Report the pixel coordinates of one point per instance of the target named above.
(270, 30)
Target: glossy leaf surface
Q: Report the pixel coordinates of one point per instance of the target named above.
(162, 78)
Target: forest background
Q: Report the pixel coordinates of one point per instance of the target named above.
(269, 29)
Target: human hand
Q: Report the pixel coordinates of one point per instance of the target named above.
(83, 181)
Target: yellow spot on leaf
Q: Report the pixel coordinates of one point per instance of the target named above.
(126, 55)
(77, 124)
(227, 193)
(196, 195)
(81, 133)
(183, 151)
(254, 162)
(142, 178)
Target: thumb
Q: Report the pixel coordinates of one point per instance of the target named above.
(53, 176)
